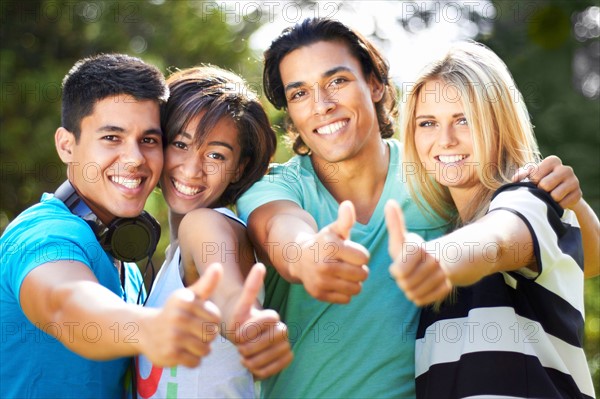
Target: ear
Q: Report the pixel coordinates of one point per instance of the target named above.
(64, 141)
(377, 89)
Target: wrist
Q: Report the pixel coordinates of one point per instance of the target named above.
(305, 242)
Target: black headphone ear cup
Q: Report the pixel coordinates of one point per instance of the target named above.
(132, 239)
(126, 239)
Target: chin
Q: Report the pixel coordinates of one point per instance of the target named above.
(130, 212)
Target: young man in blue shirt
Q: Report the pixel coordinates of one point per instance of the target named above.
(68, 306)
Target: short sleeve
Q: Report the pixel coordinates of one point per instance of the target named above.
(555, 232)
(280, 183)
(41, 240)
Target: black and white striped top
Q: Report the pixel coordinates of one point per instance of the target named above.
(513, 334)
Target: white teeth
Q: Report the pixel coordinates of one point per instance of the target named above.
(125, 182)
(187, 190)
(451, 158)
(332, 127)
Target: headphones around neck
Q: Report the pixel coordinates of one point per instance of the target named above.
(126, 239)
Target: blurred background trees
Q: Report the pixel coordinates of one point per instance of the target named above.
(551, 47)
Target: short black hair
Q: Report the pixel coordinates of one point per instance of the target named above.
(105, 75)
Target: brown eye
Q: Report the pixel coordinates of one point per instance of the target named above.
(180, 145)
(217, 156)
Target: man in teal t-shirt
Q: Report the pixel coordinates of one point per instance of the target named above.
(352, 336)
(364, 348)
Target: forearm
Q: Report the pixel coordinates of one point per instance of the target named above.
(462, 258)
(590, 233)
(277, 230)
(93, 322)
(284, 244)
(498, 242)
(226, 243)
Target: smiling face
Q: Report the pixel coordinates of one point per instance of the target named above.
(117, 161)
(196, 177)
(443, 138)
(330, 102)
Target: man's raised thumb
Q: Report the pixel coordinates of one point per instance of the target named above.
(345, 220)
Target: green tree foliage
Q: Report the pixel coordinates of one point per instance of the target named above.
(538, 43)
(41, 40)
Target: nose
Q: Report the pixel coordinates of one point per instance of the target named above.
(132, 156)
(447, 137)
(324, 101)
(192, 167)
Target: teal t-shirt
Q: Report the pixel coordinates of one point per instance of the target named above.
(34, 364)
(361, 349)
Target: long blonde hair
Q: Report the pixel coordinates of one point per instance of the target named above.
(502, 133)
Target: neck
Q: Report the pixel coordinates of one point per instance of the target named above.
(351, 179)
(174, 222)
(466, 200)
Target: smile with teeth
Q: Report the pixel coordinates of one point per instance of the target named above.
(332, 127)
(185, 189)
(126, 182)
(451, 158)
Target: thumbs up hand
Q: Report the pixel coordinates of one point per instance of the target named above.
(181, 331)
(260, 336)
(331, 267)
(418, 273)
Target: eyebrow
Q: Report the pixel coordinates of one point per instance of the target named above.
(326, 74)
(221, 143)
(433, 117)
(118, 129)
(185, 134)
(214, 142)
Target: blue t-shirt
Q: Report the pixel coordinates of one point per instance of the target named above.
(361, 349)
(32, 362)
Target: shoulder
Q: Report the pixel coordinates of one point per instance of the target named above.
(523, 193)
(293, 181)
(529, 201)
(208, 223)
(297, 167)
(49, 222)
(208, 218)
(555, 231)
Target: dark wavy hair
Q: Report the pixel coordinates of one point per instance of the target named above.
(221, 94)
(314, 30)
(105, 75)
